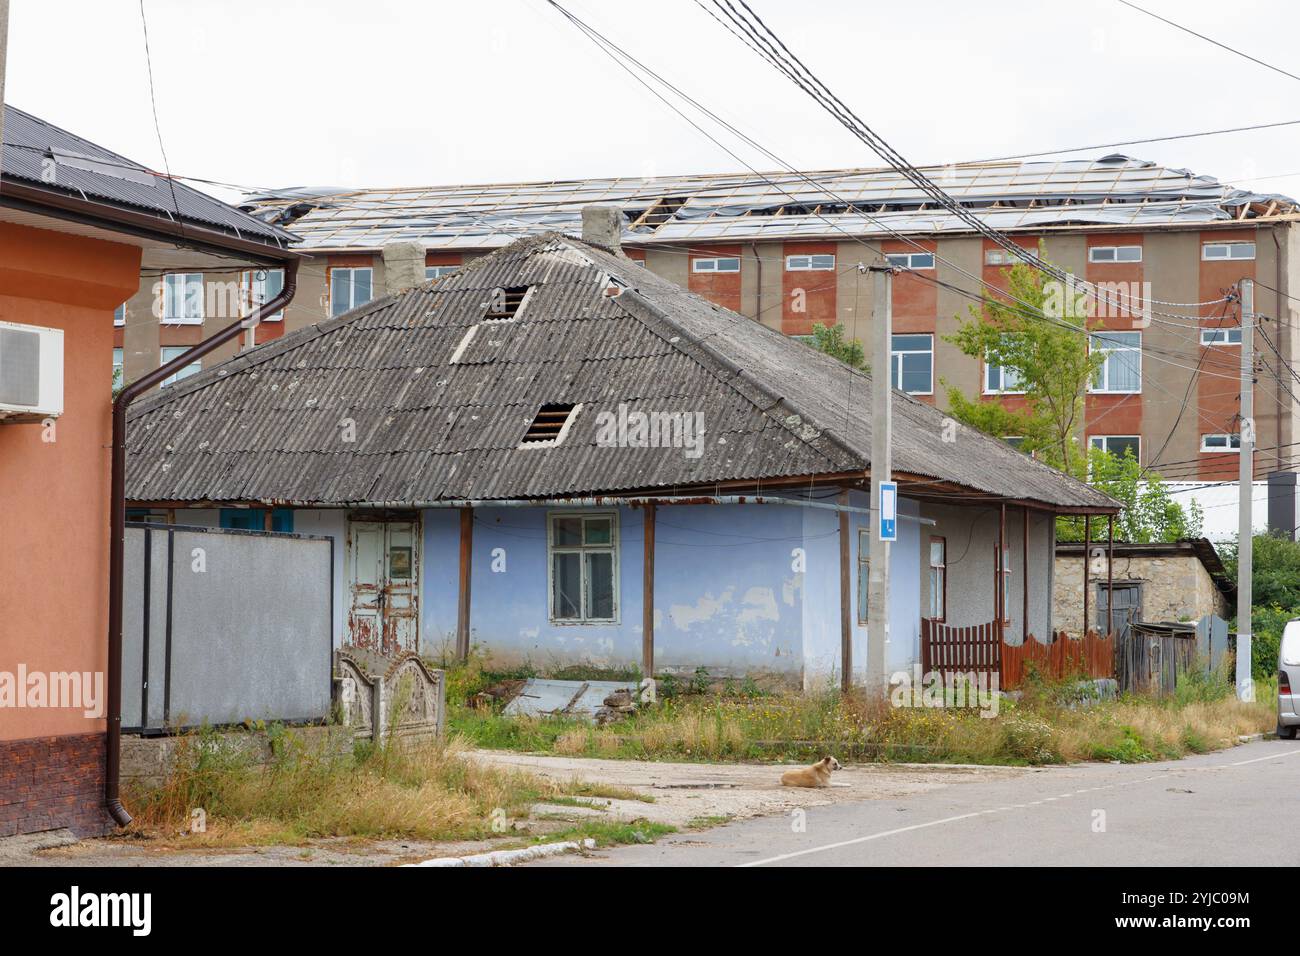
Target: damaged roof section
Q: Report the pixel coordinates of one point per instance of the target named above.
(1114, 191)
(424, 397)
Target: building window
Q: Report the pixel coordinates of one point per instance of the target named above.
(258, 287)
(864, 573)
(1221, 443)
(254, 519)
(819, 263)
(349, 288)
(119, 316)
(583, 562)
(1122, 369)
(1002, 257)
(1224, 335)
(1227, 250)
(1108, 254)
(912, 368)
(911, 260)
(715, 265)
(183, 298)
(1117, 445)
(437, 272)
(938, 578)
(175, 352)
(1002, 380)
(119, 367)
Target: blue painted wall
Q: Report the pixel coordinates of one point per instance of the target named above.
(738, 590)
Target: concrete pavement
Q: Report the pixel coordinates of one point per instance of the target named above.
(1233, 807)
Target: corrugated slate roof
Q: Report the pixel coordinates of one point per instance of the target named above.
(33, 149)
(1114, 190)
(269, 425)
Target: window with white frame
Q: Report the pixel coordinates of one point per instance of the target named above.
(185, 371)
(1118, 445)
(119, 315)
(183, 298)
(1108, 254)
(1227, 250)
(1002, 379)
(814, 263)
(1002, 257)
(119, 367)
(1221, 443)
(912, 365)
(718, 264)
(350, 286)
(1224, 335)
(911, 260)
(1122, 369)
(583, 567)
(260, 286)
(938, 577)
(437, 272)
(1003, 576)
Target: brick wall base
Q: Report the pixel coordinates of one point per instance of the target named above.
(47, 783)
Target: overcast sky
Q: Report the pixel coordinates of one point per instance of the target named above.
(336, 92)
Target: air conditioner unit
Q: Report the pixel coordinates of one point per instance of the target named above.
(31, 373)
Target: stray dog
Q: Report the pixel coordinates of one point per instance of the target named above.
(818, 775)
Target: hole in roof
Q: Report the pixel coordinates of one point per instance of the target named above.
(504, 303)
(548, 424)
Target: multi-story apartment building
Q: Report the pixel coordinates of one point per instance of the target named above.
(1167, 247)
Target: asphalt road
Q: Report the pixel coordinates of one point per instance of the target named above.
(1233, 807)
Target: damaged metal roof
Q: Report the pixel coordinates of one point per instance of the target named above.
(41, 154)
(420, 398)
(1113, 191)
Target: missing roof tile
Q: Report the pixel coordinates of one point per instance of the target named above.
(549, 425)
(504, 303)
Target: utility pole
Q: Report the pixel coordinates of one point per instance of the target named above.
(881, 472)
(1245, 483)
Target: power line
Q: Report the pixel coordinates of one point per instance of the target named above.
(153, 100)
(1202, 36)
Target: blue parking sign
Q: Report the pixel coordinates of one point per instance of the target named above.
(888, 506)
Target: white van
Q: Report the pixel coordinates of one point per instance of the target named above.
(1288, 682)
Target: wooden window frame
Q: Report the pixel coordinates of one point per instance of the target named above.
(930, 565)
(582, 550)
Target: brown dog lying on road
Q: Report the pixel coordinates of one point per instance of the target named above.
(818, 775)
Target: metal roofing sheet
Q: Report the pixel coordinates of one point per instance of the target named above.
(1112, 190)
(271, 424)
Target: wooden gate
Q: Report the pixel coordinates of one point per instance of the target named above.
(952, 650)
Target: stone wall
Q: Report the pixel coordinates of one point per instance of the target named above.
(1174, 588)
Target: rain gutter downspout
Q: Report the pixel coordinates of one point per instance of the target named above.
(117, 527)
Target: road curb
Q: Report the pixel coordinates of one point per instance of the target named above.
(509, 857)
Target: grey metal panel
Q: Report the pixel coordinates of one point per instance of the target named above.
(266, 425)
(132, 625)
(251, 632)
(157, 650)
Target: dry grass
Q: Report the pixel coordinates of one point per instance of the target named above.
(422, 790)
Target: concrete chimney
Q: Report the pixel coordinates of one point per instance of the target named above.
(603, 226)
(403, 266)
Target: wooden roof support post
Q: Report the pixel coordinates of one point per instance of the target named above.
(1087, 543)
(466, 567)
(1110, 575)
(1024, 574)
(648, 594)
(846, 601)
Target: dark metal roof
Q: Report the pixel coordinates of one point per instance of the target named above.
(268, 425)
(43, 155)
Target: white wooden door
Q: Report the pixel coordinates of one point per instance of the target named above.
(383, 562)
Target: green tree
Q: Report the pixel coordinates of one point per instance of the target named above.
(1042, 340)
(832, 341)
(1275, 570)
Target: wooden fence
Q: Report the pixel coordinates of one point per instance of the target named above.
(1092, 656)
(964, 650)
(979, 649)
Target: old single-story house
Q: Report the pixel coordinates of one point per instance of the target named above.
(1158, 581)
(560, 457)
